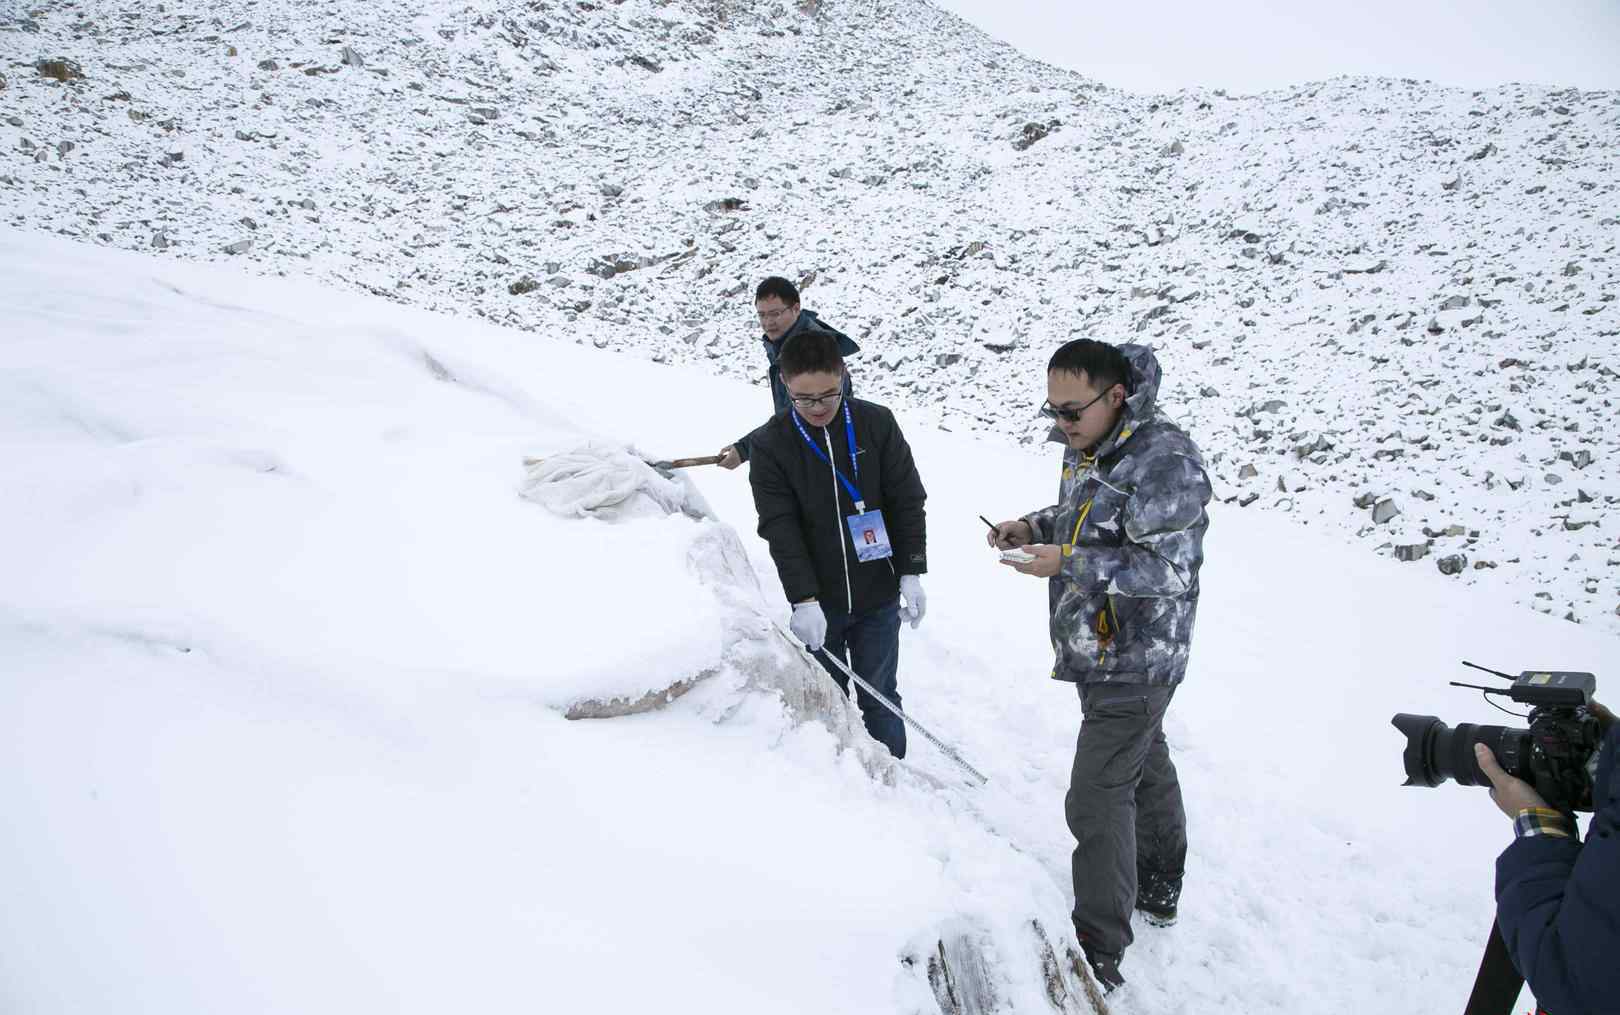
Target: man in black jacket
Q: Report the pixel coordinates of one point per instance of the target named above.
(776, 301)
(841, 505)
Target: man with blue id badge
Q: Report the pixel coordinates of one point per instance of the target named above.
(841, 505)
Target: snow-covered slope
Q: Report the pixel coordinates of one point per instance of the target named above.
(1367, 289)
(288, 656)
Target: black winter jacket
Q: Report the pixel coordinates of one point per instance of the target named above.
(1558, 903)
(802, 507)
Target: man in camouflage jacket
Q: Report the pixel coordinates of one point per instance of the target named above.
(1121, 550)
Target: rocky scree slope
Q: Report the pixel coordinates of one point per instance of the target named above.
(1383, 306)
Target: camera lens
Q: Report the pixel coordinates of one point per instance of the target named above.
(1435, 752)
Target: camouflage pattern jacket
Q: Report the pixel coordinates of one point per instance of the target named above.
(1131, 521)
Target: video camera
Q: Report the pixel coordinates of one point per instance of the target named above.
(1553, 755)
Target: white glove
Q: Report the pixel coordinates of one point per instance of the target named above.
(809, 625)
(916, 603)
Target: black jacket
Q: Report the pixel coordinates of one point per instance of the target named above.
(808, 321)
(802, 508)
(1558, 903)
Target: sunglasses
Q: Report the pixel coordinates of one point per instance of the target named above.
(1051, 411)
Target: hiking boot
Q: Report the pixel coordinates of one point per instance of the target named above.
(1157, 893)
(1105, 967)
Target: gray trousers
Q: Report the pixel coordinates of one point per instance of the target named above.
(1123, 806)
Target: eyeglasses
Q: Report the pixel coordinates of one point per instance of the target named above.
(815, 401)
(1051, 411)
(772, 316)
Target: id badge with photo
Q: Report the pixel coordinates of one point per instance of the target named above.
(871, 536)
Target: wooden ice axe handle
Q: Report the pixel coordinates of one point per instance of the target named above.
(687, 463)
(679, 463)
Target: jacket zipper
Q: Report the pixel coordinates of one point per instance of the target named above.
(843, 551)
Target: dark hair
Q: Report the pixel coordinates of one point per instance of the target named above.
(1102, 363)
(779, 287)
(810, 352)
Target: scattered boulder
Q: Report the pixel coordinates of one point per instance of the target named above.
(1450, 531)
(351, 58)
(1173, 149)
(523, 285)
(1411, 551)
(239, 247)
(1033, 132)
(617, 264)
(1385, 509)
(1452, 563)
(60, 69)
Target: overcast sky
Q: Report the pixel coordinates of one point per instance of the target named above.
(1253, 45)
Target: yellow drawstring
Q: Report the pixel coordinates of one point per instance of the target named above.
(1068, 548)
(1086, 462)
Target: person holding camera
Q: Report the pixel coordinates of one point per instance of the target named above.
(1121, 550)
(1558, 899)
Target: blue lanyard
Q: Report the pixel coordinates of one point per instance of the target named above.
(855, 466)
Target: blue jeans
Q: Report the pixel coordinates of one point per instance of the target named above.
(869, 643)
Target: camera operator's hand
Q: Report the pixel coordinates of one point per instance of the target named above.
(1511, 795)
